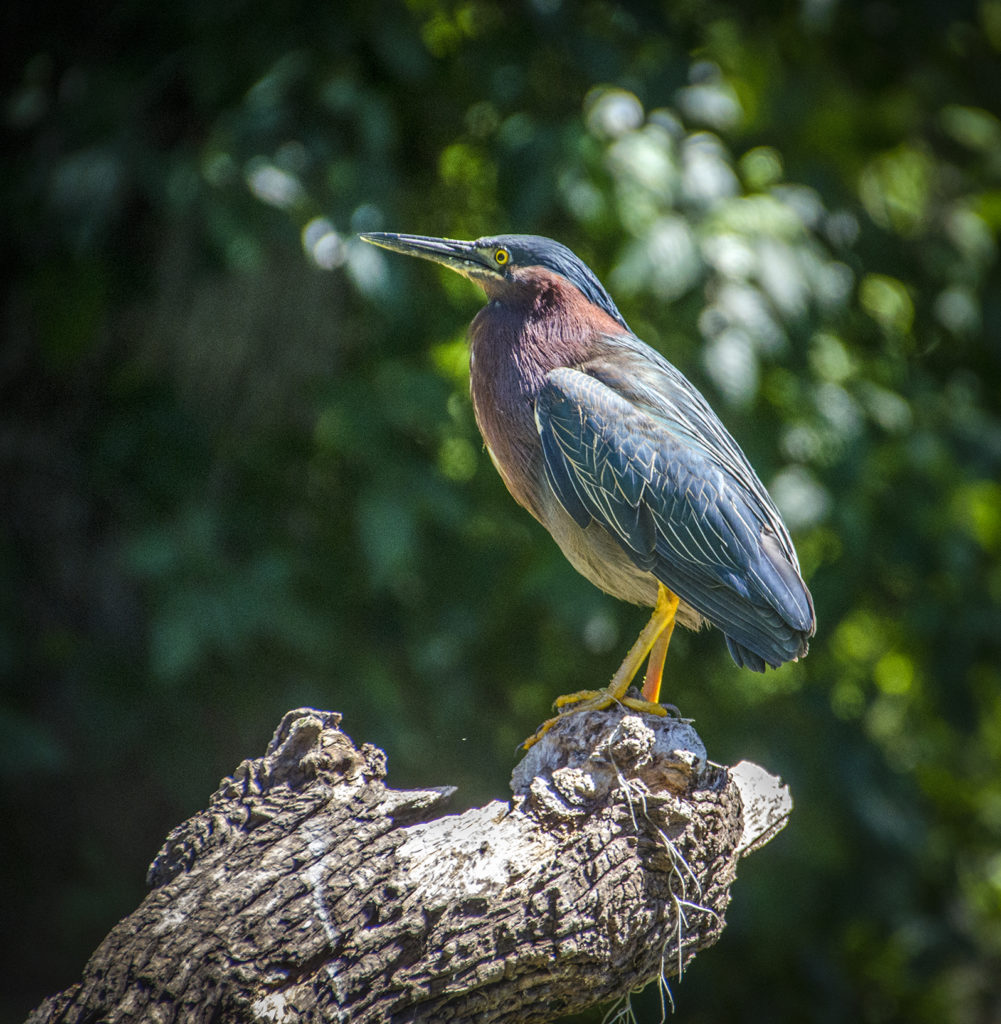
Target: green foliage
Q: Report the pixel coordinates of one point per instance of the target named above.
(242, 472)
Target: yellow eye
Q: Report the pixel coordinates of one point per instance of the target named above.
(502, 256)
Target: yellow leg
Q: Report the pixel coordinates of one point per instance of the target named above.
(652, 642)
(655, 664)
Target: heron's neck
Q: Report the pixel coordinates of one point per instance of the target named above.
(531, 325)
(528, 327)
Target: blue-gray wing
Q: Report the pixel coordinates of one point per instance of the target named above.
(643, 455)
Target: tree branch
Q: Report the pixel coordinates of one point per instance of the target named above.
(308, 890)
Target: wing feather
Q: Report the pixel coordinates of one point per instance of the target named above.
(642, 454)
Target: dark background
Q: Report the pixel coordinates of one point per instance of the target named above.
(240, 472)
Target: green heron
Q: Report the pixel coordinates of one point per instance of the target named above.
(622, 460)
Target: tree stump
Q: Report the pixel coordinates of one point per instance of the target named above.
(309, 891)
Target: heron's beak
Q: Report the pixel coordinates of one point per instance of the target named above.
(463, 257)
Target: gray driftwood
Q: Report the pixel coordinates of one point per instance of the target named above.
(309, 891)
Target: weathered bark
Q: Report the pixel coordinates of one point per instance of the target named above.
(309, 891)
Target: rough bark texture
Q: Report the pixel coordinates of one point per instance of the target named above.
(309, 891)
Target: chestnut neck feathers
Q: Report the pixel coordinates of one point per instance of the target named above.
(516, 339)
